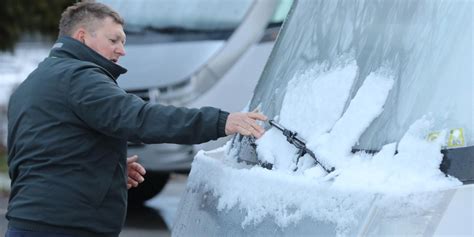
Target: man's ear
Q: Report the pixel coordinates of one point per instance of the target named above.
(80, 34)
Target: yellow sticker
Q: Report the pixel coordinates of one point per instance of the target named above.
(456, 138)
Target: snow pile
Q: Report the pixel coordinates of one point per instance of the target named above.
(314, 106)
(334, 147)
(312, 114)
(415, 168)
(332, 137)
(285, 197)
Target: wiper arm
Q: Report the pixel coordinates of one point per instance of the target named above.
(299, 143)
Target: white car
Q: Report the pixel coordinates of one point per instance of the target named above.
(194, 54)
(381, 91)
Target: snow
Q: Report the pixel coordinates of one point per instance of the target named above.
(333, 147)
(308, 115)
(314, 106)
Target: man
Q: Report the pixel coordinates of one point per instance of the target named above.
(69, 123)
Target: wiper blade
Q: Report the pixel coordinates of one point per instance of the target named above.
(299, 143)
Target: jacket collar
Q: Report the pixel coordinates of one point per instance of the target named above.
(67, 47)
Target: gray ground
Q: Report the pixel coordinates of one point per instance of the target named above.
(152, 220)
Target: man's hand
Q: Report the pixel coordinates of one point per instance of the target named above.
(135, 172)
(245, 124)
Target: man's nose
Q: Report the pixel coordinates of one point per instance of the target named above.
(121, 50)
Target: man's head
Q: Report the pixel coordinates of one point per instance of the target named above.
(97, 26)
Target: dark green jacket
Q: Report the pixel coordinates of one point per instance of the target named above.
(68, 126)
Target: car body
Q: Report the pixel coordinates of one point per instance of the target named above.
(425, 48)
(193, 54)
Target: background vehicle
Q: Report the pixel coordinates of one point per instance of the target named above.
(194, 54)
(428, 46)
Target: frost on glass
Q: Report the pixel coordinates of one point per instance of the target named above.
(427, 44)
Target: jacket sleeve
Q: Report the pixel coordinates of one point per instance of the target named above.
(103, 106)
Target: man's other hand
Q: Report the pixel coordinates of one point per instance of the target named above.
(245, 124)
(135, 172)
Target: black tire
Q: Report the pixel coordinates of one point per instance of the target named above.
(153, 184)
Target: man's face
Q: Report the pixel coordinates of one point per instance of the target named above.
(108, 39)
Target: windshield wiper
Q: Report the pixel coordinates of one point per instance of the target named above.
(300, 144)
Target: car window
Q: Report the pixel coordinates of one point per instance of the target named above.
(184, 14)
(189, 20)
(429, 55)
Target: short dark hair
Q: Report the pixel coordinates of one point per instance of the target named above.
(86, 14)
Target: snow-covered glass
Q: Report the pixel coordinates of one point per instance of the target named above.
(393, 76)
(426, 46)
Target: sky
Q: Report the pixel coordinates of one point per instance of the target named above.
(288, 196)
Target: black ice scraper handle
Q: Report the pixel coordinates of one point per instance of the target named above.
(299, 143)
